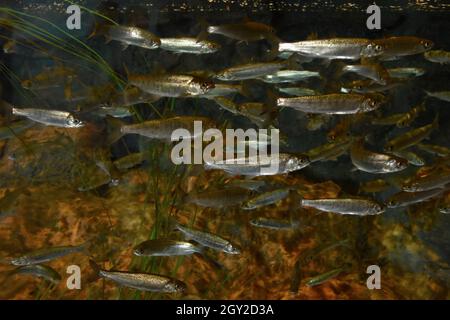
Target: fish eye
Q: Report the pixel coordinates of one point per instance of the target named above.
(427, 44)
(378, 48)
(391, 203)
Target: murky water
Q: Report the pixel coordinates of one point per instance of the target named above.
(63, 186)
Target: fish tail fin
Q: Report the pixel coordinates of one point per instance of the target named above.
(114, 130)
(436, 121)
(292, 62)
(245, 89)
(203, 34)
(6, 108)
(173, 224)
(96, 269)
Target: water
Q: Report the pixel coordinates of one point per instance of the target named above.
(48, 166)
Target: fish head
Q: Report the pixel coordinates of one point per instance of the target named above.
(392, 203)
(73, 122)
(426, 45)
(175, 286)
(229, 248)
(224, 76)
(372, 102)
(138, 251)
(410, 186)
(372, 49)
(206, 86)
(300, 161)
(211, 46)
(377, 208)
(397, 164)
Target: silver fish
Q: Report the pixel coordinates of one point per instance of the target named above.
(188, 45)
(142, 281)
(283, 76)
(165, 248)
(274, 224)
(208, 240)
(338, 48)
(429, 182)
(266, 198)
(253, 166)
(438, 56)
(41, 271)
(252, 70)
(335, 103)
(47, 254)
(405, 73)
(50, 117)
(402, 199)
(359, 207)
(375, 162)
(133, 36)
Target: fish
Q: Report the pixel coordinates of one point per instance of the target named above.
(441, 95)
(411, 137)
(274, 224)
(401, 119)
(129, 161)
(324, 277)
(225, 89)
(431, 181)
(248, 184)
(253, 70)
(369, 86)
(286, 76)
(403, 199)
(336, 48)
(329, 151)
(298, 91)
(412, 157)
(55, 118)
(116, 112)
(165, 248)
(373, 71)
(141, 281)
(438, 56)
(400, 46)
(46, 254)
(375, 162)
(171, 85)
(39, 270)
(254, 166)
(49, 78)
(128, 36)
(439, 151)
(266, 198)
(208, 239)
(161, 129)
(222, 198)
(245, 31)
(358, 207)
(15, 128)
(335, 103)
(405, 73)
(444, 207)
(188, 45)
